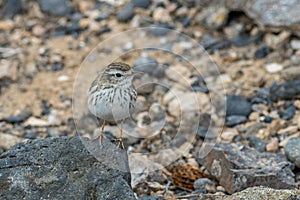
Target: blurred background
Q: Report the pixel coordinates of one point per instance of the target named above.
(254, 43)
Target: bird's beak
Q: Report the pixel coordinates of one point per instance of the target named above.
(136, 73)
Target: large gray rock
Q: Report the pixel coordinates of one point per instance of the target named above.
(238, 167)
(56, 7)
(270, 13)
(64, 168)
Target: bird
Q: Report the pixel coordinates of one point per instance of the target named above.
(112, 96)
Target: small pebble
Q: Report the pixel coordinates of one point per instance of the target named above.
(126, 13)
(229, 135)
(257, 144)
(295, 44)
(235, 120)
(274, 67)
(22, 116)
(262, 52)
(237, 105)
(289, 113)
(273, 145)
(292, 151)
(204, 185)
(63, 78)
(141, 3)
(266, 119)
(254, 116)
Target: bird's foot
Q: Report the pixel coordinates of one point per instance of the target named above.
(100, 137)
(120, 143)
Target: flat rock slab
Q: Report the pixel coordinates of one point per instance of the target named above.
(255, 193)
(65, 168)
(239, 167)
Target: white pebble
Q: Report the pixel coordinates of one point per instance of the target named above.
(63, 78)
(274, 67)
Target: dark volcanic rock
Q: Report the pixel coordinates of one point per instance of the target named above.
(292, 151)
(141, 3)
(287, 90)
(24, 114)
(63, 168)
(238, 167)
(56, 7)
(12, 7)
(125, 13)
(237, 105)
(235, 120)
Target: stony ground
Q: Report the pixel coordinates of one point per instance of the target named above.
(43, 44)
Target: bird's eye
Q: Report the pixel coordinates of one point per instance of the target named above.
(118, 75)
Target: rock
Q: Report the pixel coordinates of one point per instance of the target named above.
(65, 166)
(286, 91)
(259, 145)
(7, 141)
(126, 13)
(186, 102)
(254, 116)
(274, 68)
(56, 7)
(145, 64)
(292, 151)
(178, 73)
(238, 167)
(289, 113)
(295, 44)
(237, 105)
(6, 25)
(262, 52)
(288, 130)
(284, 14)
(266, 119)
(22, 116)
(63, 78)
(145, 170)
(141, 3)
(291, 73)
(144, 85)
(253, 193)
(8, 70)
(12, 8)
(204, 185)
(160, 29)
(233, 120)
(245, 39)
(165, 157)
(31, 135)
(161, 15)
(229, 135)
(213, 17)
(36, 122)
(151, 198)
(38, 30)
(272, 146)
(277, 41)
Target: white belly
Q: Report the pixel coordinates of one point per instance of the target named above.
(112, 107)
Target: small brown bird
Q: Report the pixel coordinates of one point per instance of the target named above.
(112, 96)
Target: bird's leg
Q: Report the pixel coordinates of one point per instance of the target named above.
(102, 132)
(119, 139)
(101, 135)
